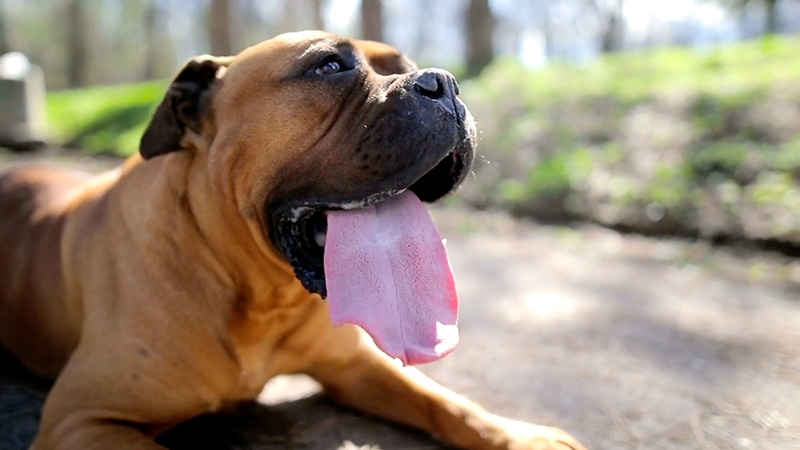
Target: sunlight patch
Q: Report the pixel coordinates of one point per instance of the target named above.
(550, 304)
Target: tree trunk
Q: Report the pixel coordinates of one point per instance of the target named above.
(372, 20)
(611, 35)
(771, 25)
(5, 47)
(151, 13)
(480, 36)
(219, 28)
(77, 51)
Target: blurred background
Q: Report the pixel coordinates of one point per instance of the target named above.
(89, 42)
(650, 304)
(670, 118)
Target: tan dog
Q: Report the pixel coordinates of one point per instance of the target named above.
(183, 281)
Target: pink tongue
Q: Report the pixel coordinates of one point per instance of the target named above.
(386, 270)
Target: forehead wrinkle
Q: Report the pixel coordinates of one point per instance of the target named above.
(327, 45)
(317, 47)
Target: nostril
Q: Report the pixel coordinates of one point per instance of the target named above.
(430, 84)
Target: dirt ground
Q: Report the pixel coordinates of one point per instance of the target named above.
(625, 341)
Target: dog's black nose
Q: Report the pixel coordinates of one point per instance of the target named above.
(435, 84)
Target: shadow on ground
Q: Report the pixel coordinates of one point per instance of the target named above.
(310, 422)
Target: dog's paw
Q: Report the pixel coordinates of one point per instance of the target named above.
(525, 436)
(545, 438)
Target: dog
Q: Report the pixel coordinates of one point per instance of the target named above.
(272, 223)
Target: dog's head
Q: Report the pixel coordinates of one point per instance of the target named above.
(310, 122)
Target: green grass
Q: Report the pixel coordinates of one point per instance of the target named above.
(673, 130)
(731, 71)
(108, 119)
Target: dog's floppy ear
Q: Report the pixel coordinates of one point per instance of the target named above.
(385, 59)
(184, 104)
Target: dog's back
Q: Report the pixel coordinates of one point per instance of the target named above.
(32, 217)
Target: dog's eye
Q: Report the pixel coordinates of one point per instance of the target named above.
(329, 67)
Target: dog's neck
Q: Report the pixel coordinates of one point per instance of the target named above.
(229, 245)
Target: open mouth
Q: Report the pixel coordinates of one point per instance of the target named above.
(299, 229)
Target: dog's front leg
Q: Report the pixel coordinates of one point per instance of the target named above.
(113, 395)
(368, 380)
(76, 415)
(95, 434)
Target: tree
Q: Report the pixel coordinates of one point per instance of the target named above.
(77, 50)
(372, 20)
(611, 23)
(771, 9)
(771, 19)
(5, 47)
(219, 27)
(150, 26)
(480, 36)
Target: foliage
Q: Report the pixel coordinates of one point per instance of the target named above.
(666, 141)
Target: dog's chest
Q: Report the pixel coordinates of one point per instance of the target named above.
(262, 345)
(251, 382)
(256, 365)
